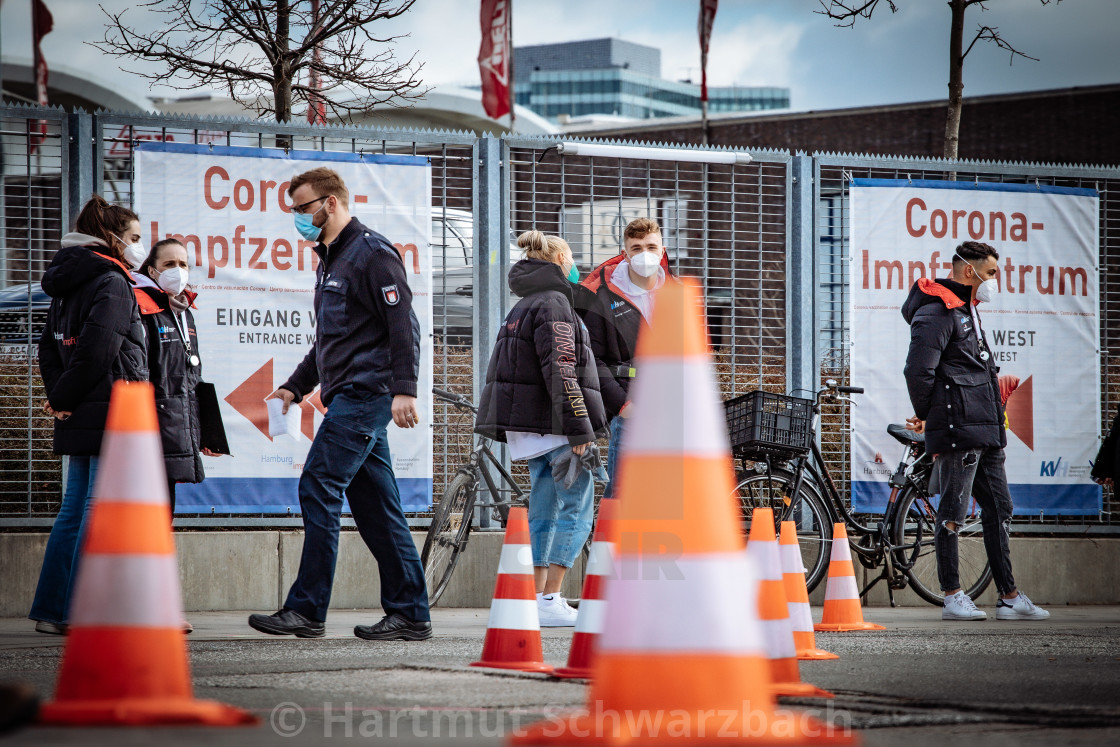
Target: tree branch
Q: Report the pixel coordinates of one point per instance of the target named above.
(991, 34)
(848, 13)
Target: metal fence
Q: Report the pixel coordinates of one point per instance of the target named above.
(766, 238)
(832, 176)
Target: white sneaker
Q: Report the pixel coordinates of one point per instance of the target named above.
(961, 607)
(1019, 608)
(554, 613)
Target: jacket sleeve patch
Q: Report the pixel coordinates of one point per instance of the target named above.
(390, 294)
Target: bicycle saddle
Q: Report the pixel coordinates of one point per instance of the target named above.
(905, 437)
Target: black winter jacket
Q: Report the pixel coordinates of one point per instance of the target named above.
(614, 324)
(541, 377)
(951, 386)
(366, 335)
(93, 338)
(175, 381)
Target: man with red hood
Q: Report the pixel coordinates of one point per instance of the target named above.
(623, 291)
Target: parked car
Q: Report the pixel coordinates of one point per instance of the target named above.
(14, 304)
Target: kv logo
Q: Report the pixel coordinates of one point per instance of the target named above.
(1054, 469)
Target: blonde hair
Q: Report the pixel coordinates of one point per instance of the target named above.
(537, 245)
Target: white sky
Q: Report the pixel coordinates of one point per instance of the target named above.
(890, 59)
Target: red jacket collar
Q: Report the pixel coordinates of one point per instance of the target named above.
(601, 275)
(937, 290)
(118, 263)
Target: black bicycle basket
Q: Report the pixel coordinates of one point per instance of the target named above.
(764, 424)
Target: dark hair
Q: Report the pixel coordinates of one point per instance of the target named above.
(973, 251)
(106, 221)
(154, 254)
(325, 181)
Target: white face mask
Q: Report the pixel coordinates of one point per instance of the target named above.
(134, 254)
(173, 281)
(985, 291)
(645, 264)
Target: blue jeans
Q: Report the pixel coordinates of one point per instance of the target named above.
(60, 563)
(614, 453)
(559, 518)
(350, 455)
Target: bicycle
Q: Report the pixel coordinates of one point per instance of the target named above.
(453, 515)
(783, 429)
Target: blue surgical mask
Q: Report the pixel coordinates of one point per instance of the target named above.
(305, 227)
(573, 274)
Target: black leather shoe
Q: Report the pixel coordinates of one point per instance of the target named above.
(287, 622)
(395, 627)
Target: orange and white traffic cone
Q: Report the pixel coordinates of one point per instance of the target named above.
(762, 547)
(589, 624)
(842, 611)
(681, 640)
(797, 596)
(513, 634)
(125, 661)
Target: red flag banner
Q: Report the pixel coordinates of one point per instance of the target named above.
(316, 107)
(41, 25)
(494, 58)
(707, 17)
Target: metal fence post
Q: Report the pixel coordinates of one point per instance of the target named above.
(802, 371)
(78, 169)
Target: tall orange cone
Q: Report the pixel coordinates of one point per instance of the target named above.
(797, 596)
(681, 640)
(589, 624)
(762, 547)
(125, 661)
(842, 611)
(513, 634)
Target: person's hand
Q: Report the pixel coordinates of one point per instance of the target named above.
(404, 411)
(59, 414)
(207, 452)
(915, 424)
(283, 394)
(626, 408)
(578, 450)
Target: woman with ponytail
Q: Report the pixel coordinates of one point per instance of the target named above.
(93, 338)
(542, 398)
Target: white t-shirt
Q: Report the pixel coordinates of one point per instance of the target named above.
(640, 297)
(524, 445)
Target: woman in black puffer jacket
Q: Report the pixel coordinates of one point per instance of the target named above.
(542, 398)
(174, 361)
(93, 338)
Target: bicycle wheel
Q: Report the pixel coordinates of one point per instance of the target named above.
(814, 524)
(913, 529)
(447, 536)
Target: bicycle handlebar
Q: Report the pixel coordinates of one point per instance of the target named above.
(850, 389)
(455, 399)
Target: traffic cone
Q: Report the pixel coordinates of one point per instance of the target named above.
(125, 661)
(681, 639)
(797, 595)
(513, 634)
(589, 624)
(762, 547)
(842, 611)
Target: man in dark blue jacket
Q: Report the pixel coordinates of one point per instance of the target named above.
(366, 360)
(951, 377)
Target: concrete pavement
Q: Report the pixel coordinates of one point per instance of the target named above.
(922, 681)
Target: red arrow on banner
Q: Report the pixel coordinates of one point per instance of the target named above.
(307, 419)
(1020, 412)
(248, 398)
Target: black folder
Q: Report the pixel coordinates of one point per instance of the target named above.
(210, 416)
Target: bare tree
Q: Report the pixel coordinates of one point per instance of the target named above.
(263, 52)
(847, 13)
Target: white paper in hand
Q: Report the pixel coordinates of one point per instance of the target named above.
(280, 424)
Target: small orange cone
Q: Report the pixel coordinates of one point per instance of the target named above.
(125, 661)
(592, 610)
(842, 611)
(513, 634)
(681, 640)
(762, 547)
(797, 595)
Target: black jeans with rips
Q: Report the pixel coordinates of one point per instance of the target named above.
(961, 476)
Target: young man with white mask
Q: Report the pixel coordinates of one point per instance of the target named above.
(952, 379)
(623, 291)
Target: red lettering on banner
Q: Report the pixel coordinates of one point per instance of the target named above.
(208, 192)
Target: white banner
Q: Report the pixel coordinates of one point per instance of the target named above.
(255, 278)
(1043, 326)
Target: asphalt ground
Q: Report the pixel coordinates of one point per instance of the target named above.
(922, 681)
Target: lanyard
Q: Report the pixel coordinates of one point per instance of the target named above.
(191, 357)
(984, 355)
